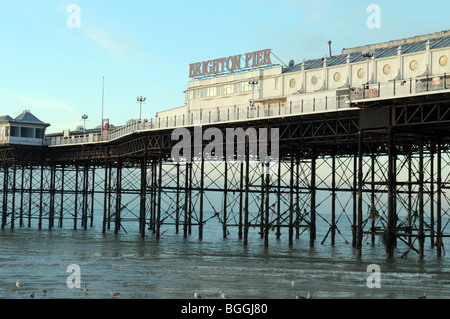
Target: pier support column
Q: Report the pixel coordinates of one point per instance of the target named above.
(41, 197)
(105, 197)
(51, 213)
(186, 199)
(143, 196)
(84, 211)
(30, 199)
(372, 197)
(22, 190)
(5, 195)
(225, 197)
(92, 193)
(202, 191)
(291, 201)
(355, 197)
(421, 234)
(247, 186)
(177, 207)
(439, 202)
(267, 207)
(13, 202)
(297, 197)
(312, 226)
(76, 198)
(117, 218)
(333, 199)
(432, 221)
(359, 229)
(241, 200)
(158, 211)
(392, 213)
(278, 234)
(61, 204)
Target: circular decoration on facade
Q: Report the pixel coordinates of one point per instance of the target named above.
(361, 73)
(337, 77)
(443, 60)
(292, 83)
(386, 69)
(314, 80)
(413, 65)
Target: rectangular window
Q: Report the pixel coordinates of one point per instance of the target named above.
(39, 133)
(27, 132)
(15, 131)
(212, 91)
(277, 83)
(221, 90)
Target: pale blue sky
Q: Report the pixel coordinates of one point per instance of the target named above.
(145, 47)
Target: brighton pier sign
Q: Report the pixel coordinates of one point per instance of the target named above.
(230, 64)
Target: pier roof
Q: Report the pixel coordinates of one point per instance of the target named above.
(382, 50)
(26, 117)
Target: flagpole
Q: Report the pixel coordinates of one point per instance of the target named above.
(103, 98)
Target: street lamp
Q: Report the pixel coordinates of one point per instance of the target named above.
(253, 83)
(141, 99)
(84, 117)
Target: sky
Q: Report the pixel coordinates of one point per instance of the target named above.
(53, 58)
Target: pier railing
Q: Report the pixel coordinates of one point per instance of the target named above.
(300, 104)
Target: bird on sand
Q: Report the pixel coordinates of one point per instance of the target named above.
(308, 296)
(197, 295)
(113, 293)
(224, 295)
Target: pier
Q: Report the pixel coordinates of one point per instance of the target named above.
(386, 176)
(374, 158)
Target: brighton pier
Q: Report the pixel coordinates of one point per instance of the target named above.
(363, 143)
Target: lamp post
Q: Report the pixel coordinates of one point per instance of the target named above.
(84, 117)
(253, 83)
(141, 99)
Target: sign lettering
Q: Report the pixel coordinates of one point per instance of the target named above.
(230, 64)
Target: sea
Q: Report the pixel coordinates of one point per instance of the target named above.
(58, 263)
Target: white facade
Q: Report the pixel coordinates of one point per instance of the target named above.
(25, 129)
(322, 84)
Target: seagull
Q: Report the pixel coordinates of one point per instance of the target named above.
(18, 284)
(197, 295)
(113, 294)
(308, 296)
(423, 297)
(224, 295)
